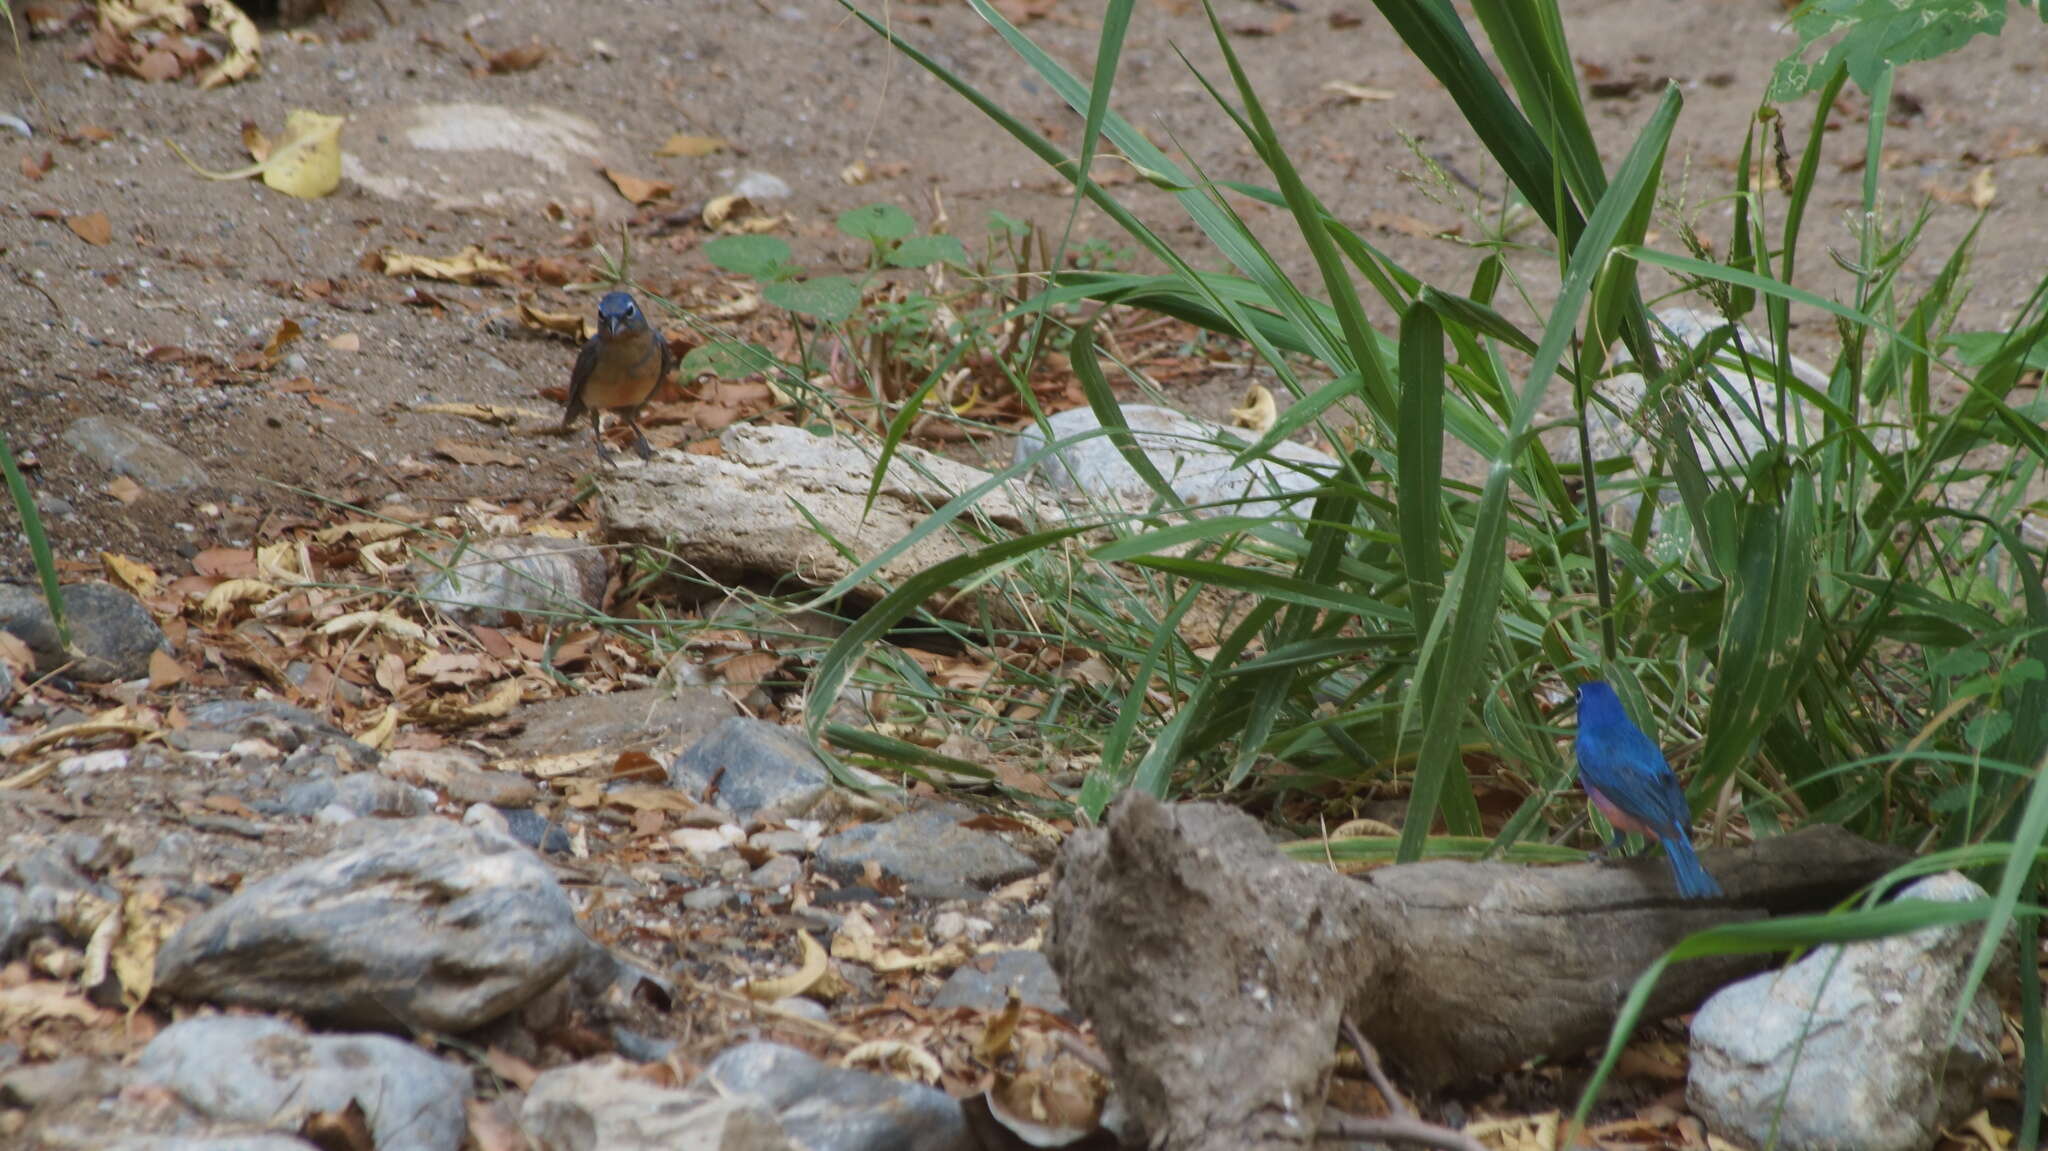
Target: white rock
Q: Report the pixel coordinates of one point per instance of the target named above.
(759, 186)
(701, 842)
(94, 762)
(1193, 456)
(1851, 1040)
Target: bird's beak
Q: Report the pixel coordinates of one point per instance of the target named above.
(611, 325)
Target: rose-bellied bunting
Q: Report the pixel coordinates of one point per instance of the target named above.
(1627, 778)
(619, 367)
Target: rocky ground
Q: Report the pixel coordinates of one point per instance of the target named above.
(290, 855)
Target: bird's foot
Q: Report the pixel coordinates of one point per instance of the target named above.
(640, 445)
(1613, 851)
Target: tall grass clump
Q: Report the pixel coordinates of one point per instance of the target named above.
(1826, 593)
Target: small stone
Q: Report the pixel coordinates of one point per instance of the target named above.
(94, 762)
(621, 721)
(113, 634)
(761, 186)
(142, 456)
(427, 924)
(950, 925)
(264, 1071)
(985, 982)
(537, 831)
(926, 849)
(787, 841)
(821, 1106)
(364, 794)
(600, 1103)
(777, 872)
(278, 723)
(1849, 1046)
(700, 842)
(483, 815)
(538, 575)
(709, 898)
(763, 771)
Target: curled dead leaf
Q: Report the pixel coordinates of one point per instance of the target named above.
(737, 214)
(574, 325)
(509, 59)
(815, 963)
(638, 190)
(228, 593)
(469, 266)
(455, 711)
(392, 625)
(895, 1056)
(244, 44)
(134, 575)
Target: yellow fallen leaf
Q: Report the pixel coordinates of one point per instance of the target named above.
(378, 734)
(136, 576)
(384, 621)
(737, 214)
(227, 594)
(1257, 411)
(855, 174)
(570, 324)
(346, 342)
(468, 266)
(813, 969)
(244, 45)
(144, 926)
(890, 1055)
(1981, 190)
(94, 228)
(691, 146)
(362, 531)
(305, 162)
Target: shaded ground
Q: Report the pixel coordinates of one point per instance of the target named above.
(198, 270)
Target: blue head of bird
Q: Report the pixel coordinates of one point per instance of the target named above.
(618, 313)
(1598, 703)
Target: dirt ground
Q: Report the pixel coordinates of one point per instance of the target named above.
(149, 325)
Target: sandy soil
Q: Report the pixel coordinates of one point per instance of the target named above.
(802, 91)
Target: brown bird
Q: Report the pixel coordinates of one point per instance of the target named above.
(618, 369)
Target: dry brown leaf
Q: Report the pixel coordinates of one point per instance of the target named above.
(145, 925)
(34, 168)
(227, 594)
(361, 531)
(396, 626)
(463, 452)
(273, 349)
(895, 1057)
(638, 190)
(692, 146)
(1981, 190)
(346, 342)
(455, 711)
(94, 228)
(651, 799)
(809, 972)
(509, 59)
(134, 575)
(347, 1129)
(1001, 1030)
(469, 266)
(1054, 1105)
(511, 1068)
(737, 214)
(165, 670)
(45, 999)
(557, 766)
(16, 654)
(125, 490)
(244, 44)
(378, 735)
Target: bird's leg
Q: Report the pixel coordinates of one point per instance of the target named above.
(1615, 848)
(597, 432)
(640, 443)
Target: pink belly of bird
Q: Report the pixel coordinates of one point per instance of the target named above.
(1619, 819)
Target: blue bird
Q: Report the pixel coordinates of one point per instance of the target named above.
(1627, 778)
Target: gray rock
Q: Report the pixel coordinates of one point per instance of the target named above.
(264, 1071)
(362, 794)
(268, 1142)
(1193, 456)
(709, 898)
(459, 775)
(485, 581)
(984, 983)
(926, 849)
(468, 157)
(622, 720)
(142, 456)
(535, 830)
(824, 1107)
(35, 1085)
(598, 1104)
(1851, 1042)
(288, 727)
(427, 924)
(764, 771)
(8, 686)
(112, 633)
(777, 871)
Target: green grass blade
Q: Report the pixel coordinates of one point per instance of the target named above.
(38, 542)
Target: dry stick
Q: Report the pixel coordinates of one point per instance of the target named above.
(1403, 1126)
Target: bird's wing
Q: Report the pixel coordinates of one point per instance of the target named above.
(1631, 772)
(668, 356)
(586, 363)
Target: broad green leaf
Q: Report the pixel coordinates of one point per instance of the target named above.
(924, 251)
(828, 298)
(763, 258)
(1875, 33)
(877, 223)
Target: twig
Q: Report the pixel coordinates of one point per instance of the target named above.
(1395, 1129)
(1378, 1074)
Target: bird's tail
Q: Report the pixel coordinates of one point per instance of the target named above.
(1686, 869)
